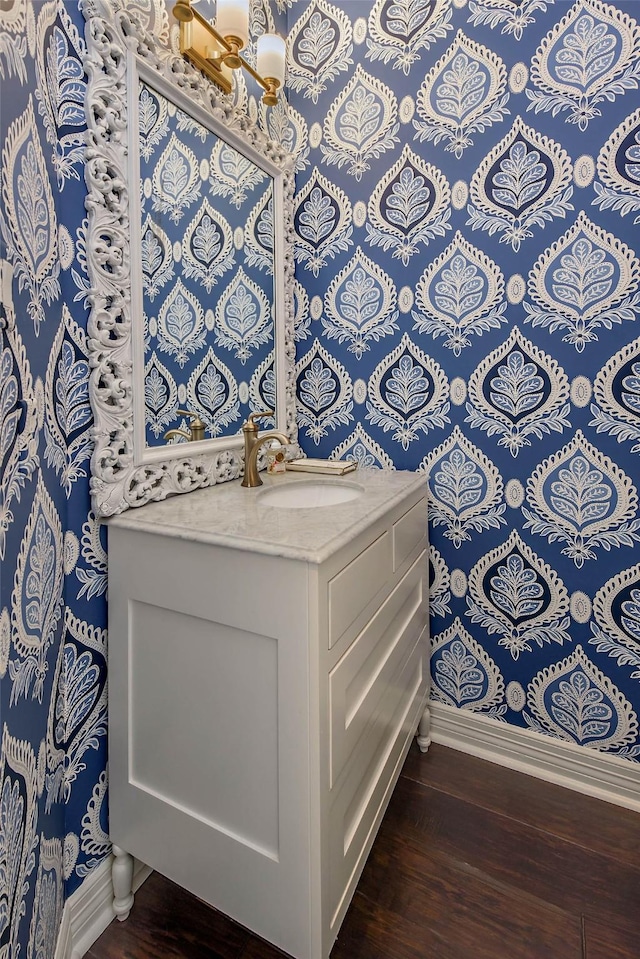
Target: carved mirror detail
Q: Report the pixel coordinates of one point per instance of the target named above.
(192, 313)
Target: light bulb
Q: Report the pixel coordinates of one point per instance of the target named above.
(270, 57)
(232, 19)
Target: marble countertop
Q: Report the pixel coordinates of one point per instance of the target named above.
(228, 515)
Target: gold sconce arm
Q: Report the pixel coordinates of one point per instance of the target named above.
(182, 11)
(269, 84)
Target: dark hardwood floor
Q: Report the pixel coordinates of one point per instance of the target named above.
(472, 861)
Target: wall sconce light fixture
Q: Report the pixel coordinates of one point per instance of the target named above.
(215, 49)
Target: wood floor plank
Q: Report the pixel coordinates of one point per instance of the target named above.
(167, 922)
(476, 862)
(588, 822)
(516, 854)
(371, 932)
(603, 941)
(259, 949)
(478, 917)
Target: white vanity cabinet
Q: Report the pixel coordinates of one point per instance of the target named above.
(268, 669)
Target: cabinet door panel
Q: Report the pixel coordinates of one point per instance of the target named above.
(188, 725)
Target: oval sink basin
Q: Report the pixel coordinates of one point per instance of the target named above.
(309, 495)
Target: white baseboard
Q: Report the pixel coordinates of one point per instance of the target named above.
(576, 767)
(89, 910)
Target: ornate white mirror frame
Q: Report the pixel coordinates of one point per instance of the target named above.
(122, 477)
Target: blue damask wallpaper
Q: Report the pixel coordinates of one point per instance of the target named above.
(467, 209)
(467, 288)
(53, 584)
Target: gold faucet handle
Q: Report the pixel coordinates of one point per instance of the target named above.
(257, 416)
(252, 417)
(197, 426)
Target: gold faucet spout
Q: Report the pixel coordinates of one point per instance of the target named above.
(252, 445)
(171, 433)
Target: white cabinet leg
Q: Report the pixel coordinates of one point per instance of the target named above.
(424, 730)
(122, 879)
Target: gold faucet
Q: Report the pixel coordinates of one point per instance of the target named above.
(252, 444)
(195, 432)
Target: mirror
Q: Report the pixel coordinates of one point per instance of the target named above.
(205, 290)
(190, 269)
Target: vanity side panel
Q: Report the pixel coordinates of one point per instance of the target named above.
(328, 652)
(246, 616)
(318, 752)
(362, 791)
(354, 824)
(355, 800)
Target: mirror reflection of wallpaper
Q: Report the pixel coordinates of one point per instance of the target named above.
(207, 274)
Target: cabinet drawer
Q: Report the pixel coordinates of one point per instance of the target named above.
(363, 796)
(408, 532)
(359, 681)
(355, 586)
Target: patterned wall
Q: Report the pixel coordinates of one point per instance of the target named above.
(53, 552)
(467, 208)
(466, 292)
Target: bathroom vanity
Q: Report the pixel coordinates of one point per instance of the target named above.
(268, 662)
(268, 669)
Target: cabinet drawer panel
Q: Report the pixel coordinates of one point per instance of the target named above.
(356, 585)
(358, 682)
(356, 811)
(408, 532)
